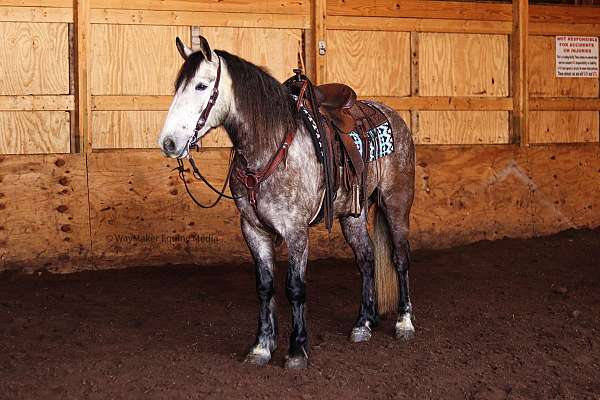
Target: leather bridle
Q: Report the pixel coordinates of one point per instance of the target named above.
(193, 143)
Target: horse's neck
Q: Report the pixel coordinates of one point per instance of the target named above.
(255, 152)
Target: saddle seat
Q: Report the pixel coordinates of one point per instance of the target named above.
(334, 100)
(335, 95)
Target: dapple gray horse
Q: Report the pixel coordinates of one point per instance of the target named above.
(215, 88)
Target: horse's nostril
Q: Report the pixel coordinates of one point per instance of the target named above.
(169, 145)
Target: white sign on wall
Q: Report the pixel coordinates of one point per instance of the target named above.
(576, 57)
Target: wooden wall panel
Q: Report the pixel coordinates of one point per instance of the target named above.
(421, 9)
(373, 63)
(453, 64)
(542, 73)
(34, 132)
(126, 129)
(141, 215)
(566, 179)
(44, 215)
(461, 127)
(475, 192)
(34, 58)
(563, 126)
(221, 6)
(274, 49)
(135, 59)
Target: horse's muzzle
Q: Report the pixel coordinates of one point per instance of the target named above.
(170, 149)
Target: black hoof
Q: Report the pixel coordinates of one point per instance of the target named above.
(297, 362)
(360, 334)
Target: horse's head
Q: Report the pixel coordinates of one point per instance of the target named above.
(192, 113)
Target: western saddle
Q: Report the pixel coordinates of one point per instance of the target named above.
(335, 113)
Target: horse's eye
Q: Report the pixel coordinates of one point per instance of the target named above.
(201, 86)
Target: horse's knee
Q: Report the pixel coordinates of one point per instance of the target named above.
(264, 283)
(295, 290)
(265, 290)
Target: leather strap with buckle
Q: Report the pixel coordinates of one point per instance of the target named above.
(252, 180)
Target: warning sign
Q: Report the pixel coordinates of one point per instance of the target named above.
(576, 57)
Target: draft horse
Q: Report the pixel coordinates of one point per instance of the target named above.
(215, 88)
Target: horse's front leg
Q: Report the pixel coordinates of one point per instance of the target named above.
(357, 235)
(260, 244)
(296, 293)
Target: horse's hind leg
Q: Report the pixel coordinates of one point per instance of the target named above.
(261, 247)
(356, 234)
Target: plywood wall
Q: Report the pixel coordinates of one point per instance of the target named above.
(563, 126)
(127, 129)
(452, 64)
(572, 126)
(132, 60)
(44, 218)
(276, 50)
(140, 214)
(34, 58)
(373, 63)
(34, 132)
(461, 127)
(542, 73)
(135, 59)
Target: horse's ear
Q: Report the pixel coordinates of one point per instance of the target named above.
(183, 49)
(205, 48)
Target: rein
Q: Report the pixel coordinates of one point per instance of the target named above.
(196, 174)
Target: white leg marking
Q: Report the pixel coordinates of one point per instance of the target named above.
(405, 323)
(261, 351)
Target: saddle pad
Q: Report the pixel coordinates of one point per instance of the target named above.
(381, 141)
(311, 124)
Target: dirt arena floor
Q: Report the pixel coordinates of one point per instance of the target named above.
(512, 319)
